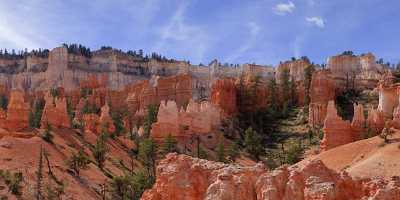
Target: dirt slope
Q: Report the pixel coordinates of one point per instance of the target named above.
(22, 155)
(365, 158)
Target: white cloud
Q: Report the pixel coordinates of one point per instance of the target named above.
(185, 39)
(284, 8)
(311, 2)
(254, 30)
(317, 21)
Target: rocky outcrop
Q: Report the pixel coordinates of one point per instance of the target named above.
(376, 121)
(55, 112)
(105, 120)
(363, 67)
(17, 112)
(223, 94)
(198, 119)
(182, 177)
(152, 92)
(388, 99)
(336, 131)
(322, 90)
(339, 132)
(295, 68)
(358, 72)
(90, 122)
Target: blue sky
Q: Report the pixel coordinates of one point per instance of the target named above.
(235, 31)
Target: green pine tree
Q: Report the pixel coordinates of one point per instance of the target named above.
(233, 151)
(253, 143)
(169, 145)
(147, 155)
(221, 152)
(100, 150)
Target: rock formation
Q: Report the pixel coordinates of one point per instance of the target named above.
(198, 119)
(17, 112)
(336, 131)
(152, 92)
(55, 112)
(363, 68)
(105, 120)
(90, 122)
(388, 99)
(375, 121)
(223, 94)
(339, 132)
(322, 90)
(295, 68)
(183, 177)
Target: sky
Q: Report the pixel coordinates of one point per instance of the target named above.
(234, 31)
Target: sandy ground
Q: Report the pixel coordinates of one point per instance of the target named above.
(367, 158)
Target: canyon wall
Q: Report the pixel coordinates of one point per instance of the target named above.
(153, 91)
(358, 71)
(180, 177)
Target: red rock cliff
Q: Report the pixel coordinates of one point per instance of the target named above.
(223, 94)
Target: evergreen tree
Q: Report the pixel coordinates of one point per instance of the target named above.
(35, 115)
(308, 71)
(233, 151)
(272, 95)
(169, 145)
(201, 153)
(100, 149)
(13, 182)
(47, 135)
(285, 85)
(147, 155)
(130, 187)
(221, 152)
(253, 143)
(151, 117)
(294, 154)
(292, 86)
(118, 122)
(39, 176)
(78, 161)
(3, 102)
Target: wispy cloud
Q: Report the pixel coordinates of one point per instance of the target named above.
(317, 21)
(284, 8)
(254, 30)
(311, 2)
(181, 37)
(19, 33)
